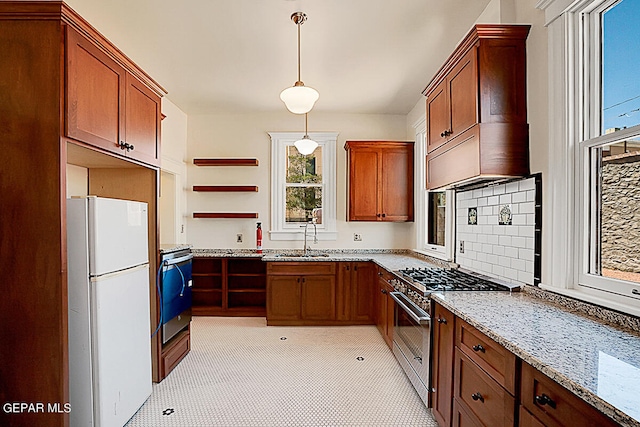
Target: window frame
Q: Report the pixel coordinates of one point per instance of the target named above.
(280, 230)
(422, 202)
(574, 124)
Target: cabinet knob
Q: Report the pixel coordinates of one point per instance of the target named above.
(477, 396)
(384, 291)
(478, 347)
(443, 134)
(378, 215)
(442, 320)
(543, 400)
(384, 215)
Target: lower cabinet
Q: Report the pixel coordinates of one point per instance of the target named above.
(492, 387)
(301, 293)
(356, 283)
(232, 286)
(551, 405)
(385, 306)
(443, 328)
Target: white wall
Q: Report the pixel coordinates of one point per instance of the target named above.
(172, 206)
(77, 181)
(246, 136)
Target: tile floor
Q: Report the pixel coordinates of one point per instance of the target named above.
(242, 373)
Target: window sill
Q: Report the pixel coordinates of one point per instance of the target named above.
(434, 254)
(299, 235)
(601, 298)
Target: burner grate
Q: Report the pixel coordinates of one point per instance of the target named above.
(441, 279)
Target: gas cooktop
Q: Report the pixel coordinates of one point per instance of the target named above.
(442, 279)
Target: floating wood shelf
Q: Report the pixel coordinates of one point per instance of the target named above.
(224, 215)
(225, 162)
(220, 188)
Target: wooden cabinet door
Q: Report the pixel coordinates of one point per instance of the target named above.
(397, 184)
(437, 117)
(462, 85)
(318, 297)
(94, 95)
(283, 297)
(364, 168)
(442, 364)
(363, 283)
(142, 122)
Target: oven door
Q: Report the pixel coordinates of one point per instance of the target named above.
(411, 335)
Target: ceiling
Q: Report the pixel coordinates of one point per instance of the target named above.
(236, 56)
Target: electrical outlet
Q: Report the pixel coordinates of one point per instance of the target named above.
(239, 238)
(461, 246)
(357, 237)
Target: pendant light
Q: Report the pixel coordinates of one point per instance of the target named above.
(305, 145)
(299, 98)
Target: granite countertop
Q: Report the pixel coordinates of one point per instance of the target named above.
(598, 362)
(175, 247)
(390, 259)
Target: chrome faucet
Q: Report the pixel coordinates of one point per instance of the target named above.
(315, 234)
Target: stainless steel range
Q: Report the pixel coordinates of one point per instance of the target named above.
(412, 324)
(430, 279)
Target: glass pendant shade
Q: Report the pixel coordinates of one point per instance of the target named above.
(299, 99)
(305, 145)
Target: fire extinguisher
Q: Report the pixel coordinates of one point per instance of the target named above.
(259, 238)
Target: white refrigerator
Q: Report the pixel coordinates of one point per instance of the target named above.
(109, 320)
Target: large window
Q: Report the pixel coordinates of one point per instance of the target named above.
(592, 226)
(609, 147)
(303, 188)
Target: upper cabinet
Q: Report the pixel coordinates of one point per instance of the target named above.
(107, 106)
(477, 109)
(380, 180)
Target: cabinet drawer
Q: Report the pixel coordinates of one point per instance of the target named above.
(481, 395)
(306, 268)
(175, 351)
(496, 360)
(528, 420)
(464, 418)
(556, 406)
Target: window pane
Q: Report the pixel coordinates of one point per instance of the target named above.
(304, 169)
(437, 216)
(618, 211)
(620, 62)
(304, 204)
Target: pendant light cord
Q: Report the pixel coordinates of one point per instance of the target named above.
(299, 24)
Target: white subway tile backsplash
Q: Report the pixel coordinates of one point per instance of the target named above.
(513, 187)
(527, 184)
(519, 242)
(505, 240)
(519, 264)
(527, 208)
(520, 219)
(511, 252)
(499, 189)
(519, 197)
(526, 254)
(504, 251)
(505, 198)
(530, 242)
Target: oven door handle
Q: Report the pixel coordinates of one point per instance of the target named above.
(416, 313)
(173, 261)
